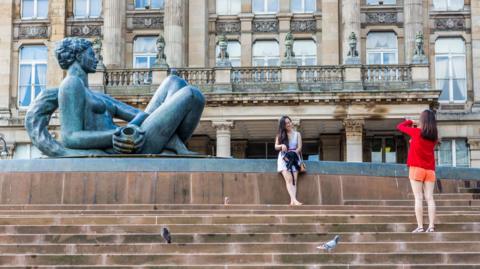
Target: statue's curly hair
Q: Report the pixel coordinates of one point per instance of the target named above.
(68, 48)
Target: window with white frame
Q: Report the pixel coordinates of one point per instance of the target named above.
(265, 6)
(305, 52)
(87, 8)
(450, 5)
(229, 7)
(382, 48)
(149, 4)
(234, 51)
(451, 70)
(144, 51)
(266, 53)
(34, 9)
(303, 6)
(381, 2)
(32, 78)
(453, 152)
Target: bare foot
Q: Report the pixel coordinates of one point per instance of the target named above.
(296, 203)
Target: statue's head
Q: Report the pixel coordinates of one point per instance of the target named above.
(73, 49)
(160, 42)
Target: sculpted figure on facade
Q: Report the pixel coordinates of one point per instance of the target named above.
(289, 54)
(223, 57)
(87, 117)
(419, 54)
(352, 54)
(161, 60)
(97, 48)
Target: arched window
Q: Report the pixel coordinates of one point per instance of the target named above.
(382, 48)
(303, 6)
(451, 69)
(34, 9)
(32, 78)
(144, 51)
(450, 5)
(265, 53)
(149, 4)
(229, 7)
(234, 52)
(265, 6)
(305, 52)
(87, 8)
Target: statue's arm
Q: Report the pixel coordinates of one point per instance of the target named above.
(71, 100)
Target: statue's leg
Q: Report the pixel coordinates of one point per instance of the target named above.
(163, 122)
(191, 120)
(168, 88)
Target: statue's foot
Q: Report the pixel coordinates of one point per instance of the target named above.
(176, 144)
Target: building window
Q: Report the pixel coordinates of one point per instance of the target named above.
(149, 4)
(381, 2)
(32, 74)
(266, 53)
(234, 52)
(303, 6)
(453, 152)
(451, 69)
(144, 51)
(450, 5)
(382, 48)
(229, 7)
(384, 150)
(305, 52)
(34, 9)
(265, 6)
(87, 8)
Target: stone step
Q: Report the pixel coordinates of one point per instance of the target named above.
(290, 266)
(240, 248)
(229, 219)
(452, 196)
(424, 257)
(455, 203)
(468, 190)
(155, 237)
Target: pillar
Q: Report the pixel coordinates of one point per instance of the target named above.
(174, 22)
(223, 137)
(56, 13)
(330, 50)
(350, 23)
(474, 152)
(6, 31)
(475, 6)
(113, 33)
(413, 10)
(198, 55)
(354, 139)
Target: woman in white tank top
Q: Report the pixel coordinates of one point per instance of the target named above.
(288, 139)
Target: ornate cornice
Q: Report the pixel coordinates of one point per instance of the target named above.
(228, 27)
(353, 127)
(381, 18)
(31, 31)
(303, 25)
(265, 26)
(450, 24)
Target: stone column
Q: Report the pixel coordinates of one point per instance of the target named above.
(198, 55)
(246, 38)
(174, 22)
(56, 13)
(475, 6)
(413, 10)
(223, 137)
(330, 50)
(474, 152)
(113, 33)
(5, 58)
(350, 23)
(354, 139)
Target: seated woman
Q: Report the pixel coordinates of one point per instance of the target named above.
(288, 140)
(86, 117)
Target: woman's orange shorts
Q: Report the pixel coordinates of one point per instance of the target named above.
(421, 174)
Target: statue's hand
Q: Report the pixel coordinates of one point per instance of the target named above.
(128, 139)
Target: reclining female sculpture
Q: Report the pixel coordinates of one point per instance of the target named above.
(86, 117)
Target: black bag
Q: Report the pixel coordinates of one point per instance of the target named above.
(291, 160)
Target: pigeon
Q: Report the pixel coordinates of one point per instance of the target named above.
(166, 235)
(330, 244)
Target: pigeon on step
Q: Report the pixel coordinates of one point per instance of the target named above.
(166, 235)
(330, 244)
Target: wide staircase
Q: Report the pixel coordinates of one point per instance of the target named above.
(373, 234)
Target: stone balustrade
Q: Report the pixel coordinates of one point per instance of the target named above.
(386, 73)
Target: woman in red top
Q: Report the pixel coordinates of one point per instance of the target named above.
(421, 163)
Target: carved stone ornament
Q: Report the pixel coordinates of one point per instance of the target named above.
(353, 127)
(419, 54)
(289, 54)
(29, 31)
(97, 48)
(352, 56)
(161, 59)
(381, 17)
(223, 57)
(303, 26)
(227, 27)
(86, 30)
(270, 26)
(450, 24)
(147, 22)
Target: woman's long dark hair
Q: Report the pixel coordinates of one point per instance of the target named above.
(429, 125)
(282, 131)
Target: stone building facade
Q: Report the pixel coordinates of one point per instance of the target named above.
(360, 67)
